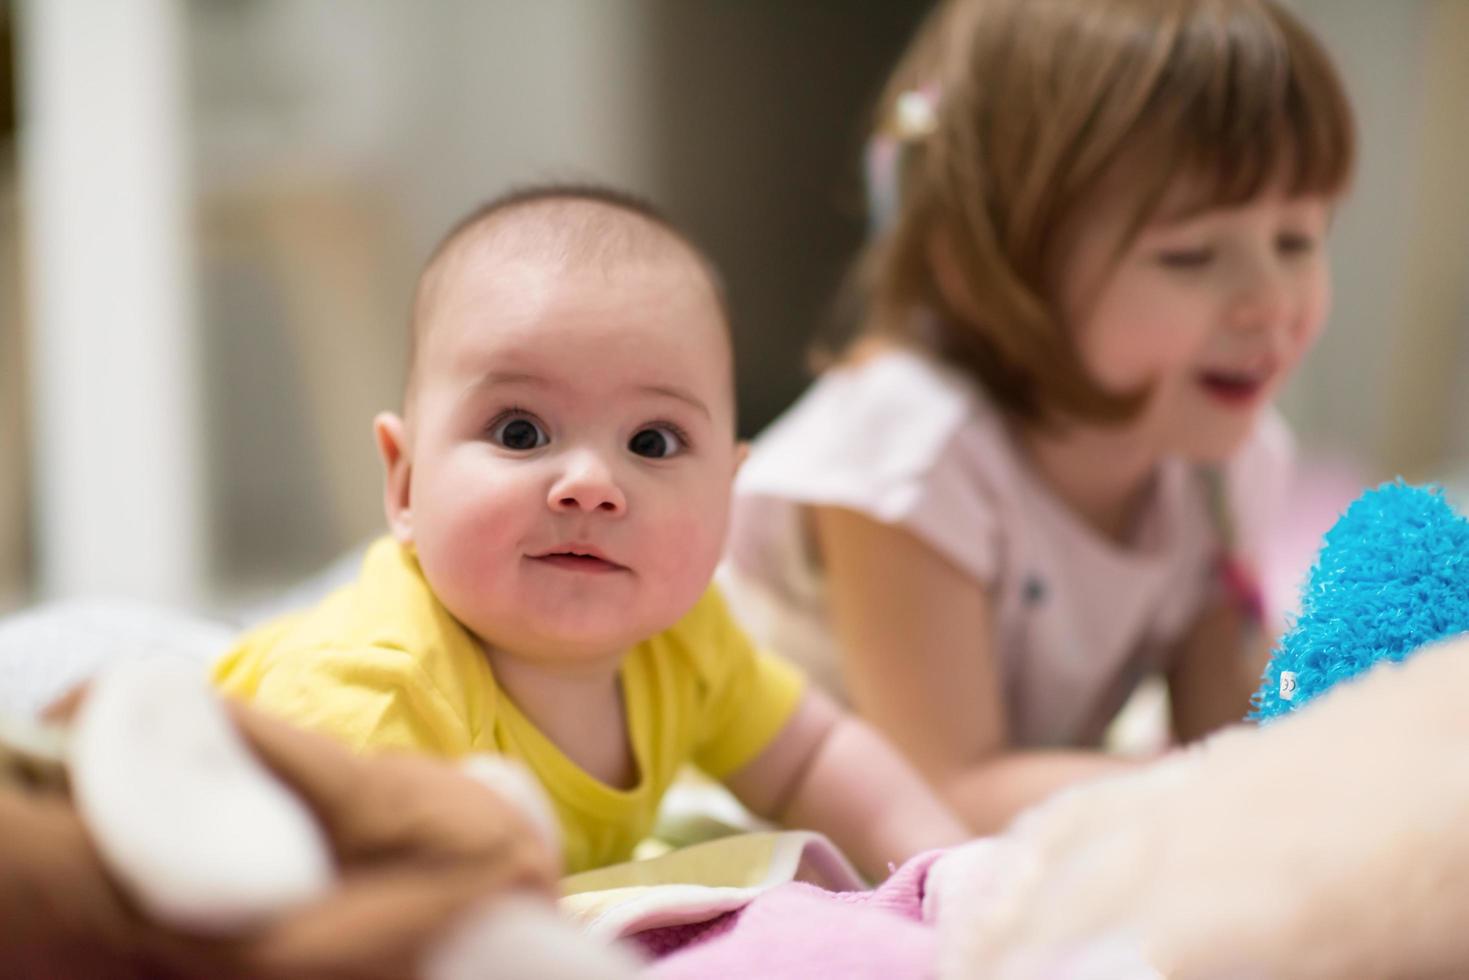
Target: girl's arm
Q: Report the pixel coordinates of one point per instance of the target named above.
(920, 665)
(831, 772)
(1216, 671)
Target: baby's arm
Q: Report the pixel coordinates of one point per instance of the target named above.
(920, 665)
(829, 771)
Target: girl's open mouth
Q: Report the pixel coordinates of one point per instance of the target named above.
(1234, 388)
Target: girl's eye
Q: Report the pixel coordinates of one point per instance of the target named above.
(1186, 258)
(519, 434)
(1291, 243)
(656, 442)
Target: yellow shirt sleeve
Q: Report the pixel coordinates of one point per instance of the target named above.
(749, 694)
(371, 698)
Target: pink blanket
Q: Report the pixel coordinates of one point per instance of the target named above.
(799, 930)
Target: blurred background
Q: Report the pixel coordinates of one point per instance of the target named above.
(212, 213)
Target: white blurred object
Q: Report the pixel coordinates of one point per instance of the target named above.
(998, 875)
(517, 937)
(205, 837)
(118, 473)
(1143, 726)
(48, 650)
(1327, 845)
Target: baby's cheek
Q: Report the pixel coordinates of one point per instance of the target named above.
(474, 541)
(462, 572)
(690, 548)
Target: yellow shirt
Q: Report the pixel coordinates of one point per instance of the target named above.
(382, 664)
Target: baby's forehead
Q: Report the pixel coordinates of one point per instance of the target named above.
(579, 240)
(573, 234)
(600, 327)
(538, 300)
(525, 299)
(506, 272)
(506, 256)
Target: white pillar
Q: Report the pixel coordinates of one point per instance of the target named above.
(114, 354)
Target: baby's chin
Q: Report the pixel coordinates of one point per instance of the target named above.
(557, 641)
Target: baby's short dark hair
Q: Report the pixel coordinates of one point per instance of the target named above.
(574, 224)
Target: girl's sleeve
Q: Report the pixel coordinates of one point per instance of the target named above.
(895, 439)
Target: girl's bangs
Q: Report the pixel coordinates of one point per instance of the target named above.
(1251, 102)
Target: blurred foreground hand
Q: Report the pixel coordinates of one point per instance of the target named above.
(420, 848)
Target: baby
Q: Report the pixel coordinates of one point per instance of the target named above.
(557, 491)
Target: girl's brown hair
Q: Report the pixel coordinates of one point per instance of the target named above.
(1035, 103)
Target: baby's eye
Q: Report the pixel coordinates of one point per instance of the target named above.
(1185, 258)
(518, 433)
(656, 442)
(1293, 243)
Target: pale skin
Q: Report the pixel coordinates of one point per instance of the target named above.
(1240, 291)
(555, 404)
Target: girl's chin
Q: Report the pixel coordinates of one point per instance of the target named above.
(1215, 448)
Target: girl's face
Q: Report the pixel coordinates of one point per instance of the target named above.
(1210, 310)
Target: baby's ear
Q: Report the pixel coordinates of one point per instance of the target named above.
(391, 435)
(742, 453)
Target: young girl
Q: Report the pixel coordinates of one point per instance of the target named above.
(1039, 474)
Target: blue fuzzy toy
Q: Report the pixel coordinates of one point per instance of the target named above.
(1392, 577)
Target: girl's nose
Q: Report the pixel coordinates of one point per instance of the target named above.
(587, 484)
(1261, 298)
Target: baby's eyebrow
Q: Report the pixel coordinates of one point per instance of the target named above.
(673, 391)
(510, 378)
(493, 378)
(476, 387)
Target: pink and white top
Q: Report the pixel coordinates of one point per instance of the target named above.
(1079, 619)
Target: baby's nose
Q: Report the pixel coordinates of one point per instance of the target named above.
(587, 484)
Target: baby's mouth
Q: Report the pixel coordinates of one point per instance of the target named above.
(574, 559)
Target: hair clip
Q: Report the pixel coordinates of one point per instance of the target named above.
(914, 116)
(915, 113)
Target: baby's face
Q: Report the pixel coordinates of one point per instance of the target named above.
(572, 452)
